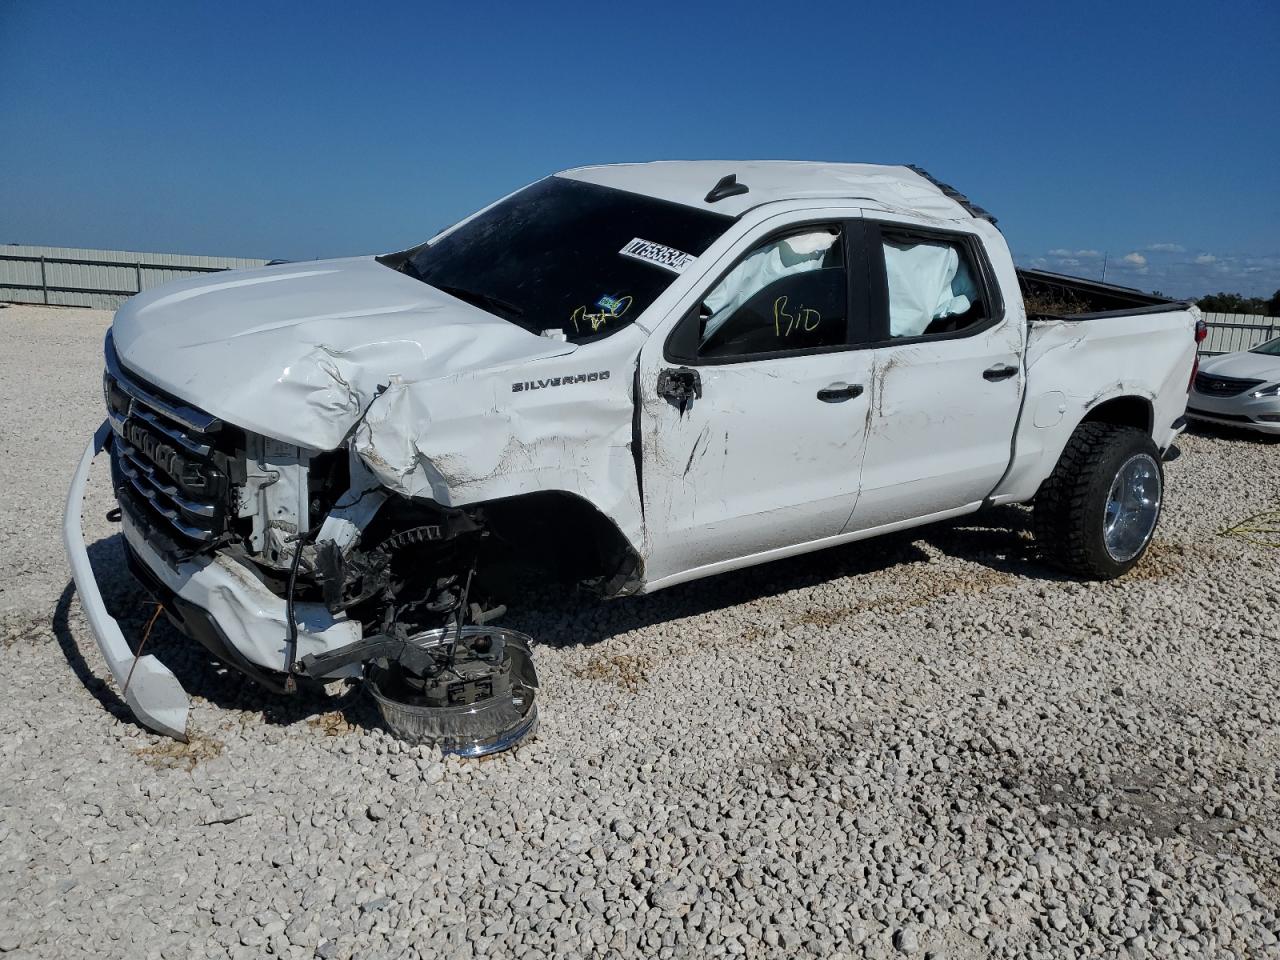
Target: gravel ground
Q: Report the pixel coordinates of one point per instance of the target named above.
(925, 745)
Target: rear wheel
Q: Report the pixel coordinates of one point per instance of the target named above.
(1095, 515)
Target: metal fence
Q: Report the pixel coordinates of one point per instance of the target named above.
(104, 279)
(1231, 332)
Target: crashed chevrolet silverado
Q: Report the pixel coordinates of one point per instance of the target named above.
(625, 377)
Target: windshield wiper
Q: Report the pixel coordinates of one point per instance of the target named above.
(478, 299)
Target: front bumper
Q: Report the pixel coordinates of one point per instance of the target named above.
(1242, 411)
(147, 686)
(248, 620)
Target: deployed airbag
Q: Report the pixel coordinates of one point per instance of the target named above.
(927, 281)
(790, 255)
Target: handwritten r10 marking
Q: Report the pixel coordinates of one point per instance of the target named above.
(807, 319)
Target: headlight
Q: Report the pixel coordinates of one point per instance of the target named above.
(1271, 391)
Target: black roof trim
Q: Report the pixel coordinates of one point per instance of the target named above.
(953, 194)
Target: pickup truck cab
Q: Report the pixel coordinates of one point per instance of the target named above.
(629, 376)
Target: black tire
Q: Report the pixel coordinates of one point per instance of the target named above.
(1069, 514)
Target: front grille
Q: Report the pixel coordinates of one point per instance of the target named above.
(170, 462)
(1216, 385)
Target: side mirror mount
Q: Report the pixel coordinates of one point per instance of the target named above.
(680, 387)
(682, 347)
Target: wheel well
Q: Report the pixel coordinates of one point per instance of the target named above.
(1127, 411)
(561, 533)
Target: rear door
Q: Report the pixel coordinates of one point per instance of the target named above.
(753, 411)
(948, 380)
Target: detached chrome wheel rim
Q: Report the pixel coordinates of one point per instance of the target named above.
(1133, 506)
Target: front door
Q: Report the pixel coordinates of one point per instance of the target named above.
(753, 413)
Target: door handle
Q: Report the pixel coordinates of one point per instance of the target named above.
(1001, 371)
(840, 392)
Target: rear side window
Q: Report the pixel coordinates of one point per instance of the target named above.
(933, 286)
(790, 294)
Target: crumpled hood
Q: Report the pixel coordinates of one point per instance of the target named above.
(298, 351)
(1245, 366)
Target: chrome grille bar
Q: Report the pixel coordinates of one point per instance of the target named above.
(132, 464)
(193, 446)
(169, 513)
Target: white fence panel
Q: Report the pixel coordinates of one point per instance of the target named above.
(70, 276)
(1232, 332)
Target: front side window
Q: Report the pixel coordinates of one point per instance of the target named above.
(566, 254)
(789, 294)
(932, 286)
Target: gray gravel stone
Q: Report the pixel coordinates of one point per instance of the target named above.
(906, 941)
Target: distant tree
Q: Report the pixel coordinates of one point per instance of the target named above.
(1273, 305)
(1233, 303)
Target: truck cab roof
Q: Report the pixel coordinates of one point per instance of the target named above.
(694, 182)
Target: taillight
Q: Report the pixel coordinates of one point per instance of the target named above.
(1202, 331)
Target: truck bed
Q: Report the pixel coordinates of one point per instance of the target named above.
(1057, 296)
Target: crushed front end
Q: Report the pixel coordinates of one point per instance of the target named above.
(290, 564)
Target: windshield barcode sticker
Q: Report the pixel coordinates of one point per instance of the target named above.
(669, 258)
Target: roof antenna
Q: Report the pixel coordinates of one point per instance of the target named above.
(727, 187)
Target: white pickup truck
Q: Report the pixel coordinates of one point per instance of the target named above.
(629, 376)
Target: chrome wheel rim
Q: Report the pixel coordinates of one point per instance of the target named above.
(1133, 506)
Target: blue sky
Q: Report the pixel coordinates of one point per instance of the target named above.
(1146, 132)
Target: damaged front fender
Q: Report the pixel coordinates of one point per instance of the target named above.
(470, 439)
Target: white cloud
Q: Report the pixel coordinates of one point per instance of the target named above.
(1133, 262)
(1089, 254)
(1081, 254)
(1167, 248)
(1059, 253)
(1206, 258)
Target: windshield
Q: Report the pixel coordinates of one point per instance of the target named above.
(564, 254)
(1271, 348)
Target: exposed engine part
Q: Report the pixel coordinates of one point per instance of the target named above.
(470, 690)
(275, 496)
(403, 566)
(346, 580)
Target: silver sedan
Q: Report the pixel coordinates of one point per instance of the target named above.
(1240, 389)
